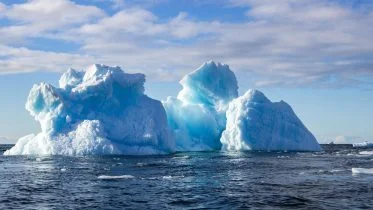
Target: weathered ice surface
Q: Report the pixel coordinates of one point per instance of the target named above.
(100, 111)
(256, 123)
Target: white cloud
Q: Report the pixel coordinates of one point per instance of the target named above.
(180, 27)
(137, 21)
(120, 4)
(36, 18)
(52, 13)
(303, 10)
(287, 43)
(2, 8)
(20, 60)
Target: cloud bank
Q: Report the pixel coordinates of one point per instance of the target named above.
(303, 43)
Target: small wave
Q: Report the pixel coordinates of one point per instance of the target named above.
(141, 164)
(336, 170)
(171, 177)
(63, 169)
(282, 157)
(362, 170)
(182, 157)
(106, 177)
(40, 159)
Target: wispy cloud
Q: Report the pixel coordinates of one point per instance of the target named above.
(288, 43)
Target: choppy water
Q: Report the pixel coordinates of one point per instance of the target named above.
(322, 180)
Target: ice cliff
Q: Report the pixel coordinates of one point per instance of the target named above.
(103, 110)
(100, 111)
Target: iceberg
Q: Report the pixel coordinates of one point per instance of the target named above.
(197, 115)
(256, 123)
(104, 110)
(363, 144)
(100, 111)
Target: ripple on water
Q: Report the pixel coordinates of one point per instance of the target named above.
(213, 180)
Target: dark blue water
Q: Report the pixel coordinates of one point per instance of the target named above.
(210, 180)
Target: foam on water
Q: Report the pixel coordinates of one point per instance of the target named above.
(107, 177)
(366, 153)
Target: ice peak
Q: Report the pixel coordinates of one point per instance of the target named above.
(213, 64)
(211, 84)
(70, 78)
(99, 71)
(256, 96)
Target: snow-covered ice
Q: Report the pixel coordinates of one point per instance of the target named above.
(256, 123)
(100, 111)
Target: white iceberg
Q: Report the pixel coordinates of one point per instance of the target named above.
(256, 123)
(100, 111)
(105, 111)
(363, 144)
(197, 115)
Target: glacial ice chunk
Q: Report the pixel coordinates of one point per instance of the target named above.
(197, 115)
(100, 111)
(363, 144)
(256, 123)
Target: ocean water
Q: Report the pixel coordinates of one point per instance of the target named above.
(210, 180)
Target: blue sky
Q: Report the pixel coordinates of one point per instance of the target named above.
(315, 54)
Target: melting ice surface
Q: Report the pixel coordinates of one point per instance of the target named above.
(105, 111)
(197, 115)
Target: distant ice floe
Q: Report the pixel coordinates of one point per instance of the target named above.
(363, 144)
(366, 153)
(104, 110)
(362, 170)
(107, 177)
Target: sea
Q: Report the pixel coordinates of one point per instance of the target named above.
(339, 177)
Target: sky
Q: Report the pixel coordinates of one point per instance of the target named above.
(317, 55)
